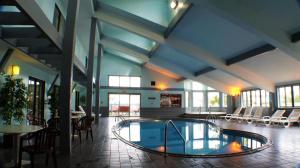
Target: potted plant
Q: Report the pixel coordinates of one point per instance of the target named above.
(13, 99)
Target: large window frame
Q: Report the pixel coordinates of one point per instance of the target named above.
(283, 96)
(255, 98)
(123, 84)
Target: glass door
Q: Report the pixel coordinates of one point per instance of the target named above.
(124, 104)
(135, 103)
(36, 93)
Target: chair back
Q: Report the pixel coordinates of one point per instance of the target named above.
(85, 122)
(42, 140)
(258, 112)
(53, 123)
(248, 111)
(81, 109)
(295, 114)
(237, 111)
(278, 114)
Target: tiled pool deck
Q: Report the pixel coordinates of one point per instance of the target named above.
(107, 151)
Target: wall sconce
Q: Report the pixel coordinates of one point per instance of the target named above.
(13, 70)
(235, 91)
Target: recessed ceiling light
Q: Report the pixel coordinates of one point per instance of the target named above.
(173, 4)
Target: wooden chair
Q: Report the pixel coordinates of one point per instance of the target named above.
(84, 124)
(42, 142)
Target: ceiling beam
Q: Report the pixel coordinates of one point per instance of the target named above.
(251, 53)
(295, 37)
(129, 25)
(125, 44)
(204, 71)
(220, 86)
(35, 13)
(21, 32)
(43, 50)
(5, 59)
(240, 57)
(216, 62)
(119, 47)
(243, 15)
(14, 18)
(33, 42)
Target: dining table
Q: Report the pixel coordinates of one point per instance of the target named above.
(17, 131)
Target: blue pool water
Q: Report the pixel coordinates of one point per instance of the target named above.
(199, 138)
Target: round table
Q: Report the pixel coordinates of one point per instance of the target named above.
(16, 131)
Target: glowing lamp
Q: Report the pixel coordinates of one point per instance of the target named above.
(162, 86)
(174, 4)
(235, 91)
(13, 70)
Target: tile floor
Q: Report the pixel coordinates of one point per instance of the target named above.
(107, 151)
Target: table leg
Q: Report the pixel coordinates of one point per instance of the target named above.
(16, 148)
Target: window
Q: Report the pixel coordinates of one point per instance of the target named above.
(198, 100)
(114, 81)
(58, 20)
(124, 81)
(213, 99)
(255, 98)
(224, 104)
(246, 99)
(265, 98)
(296, 91)
(288, 96)
(135, 81)
(186, 99)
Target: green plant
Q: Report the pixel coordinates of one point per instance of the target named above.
(13, 99)
(53, 103)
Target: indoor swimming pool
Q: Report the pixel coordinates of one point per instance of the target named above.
(187, 137)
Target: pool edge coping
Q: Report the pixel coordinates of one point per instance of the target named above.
(267, 145)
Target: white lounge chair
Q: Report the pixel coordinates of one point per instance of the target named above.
(287, 121)
(246, 114)
(236, 113)
(267, 120)
(257, 115)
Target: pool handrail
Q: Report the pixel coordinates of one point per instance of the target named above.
(166, 133)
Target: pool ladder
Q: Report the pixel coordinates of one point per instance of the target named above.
(166, 135)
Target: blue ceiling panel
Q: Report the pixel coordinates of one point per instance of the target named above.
(186, 62)
(281, 13)
(126, 36)
(157, 11)
(215, 34)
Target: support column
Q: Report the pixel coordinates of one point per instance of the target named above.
(66, 77)
(89, 86)
(100, 54)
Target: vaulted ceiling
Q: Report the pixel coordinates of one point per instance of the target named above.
(223, 44)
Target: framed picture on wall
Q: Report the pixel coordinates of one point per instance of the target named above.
(170, 100)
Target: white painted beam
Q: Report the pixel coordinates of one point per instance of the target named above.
(220, 86)
(243, 15)
(127, 24)
(114, 45)
(211, 59)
